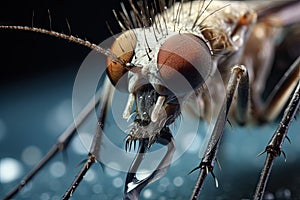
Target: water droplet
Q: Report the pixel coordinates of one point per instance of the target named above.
(31, 155)
(164, 182)
(97, 188)
(117, 182)
(10, 170)
(147, 193)
(283, 194)
(178, 181)
(57, 169)
(269, 196)
(60, 115)
(45, 196)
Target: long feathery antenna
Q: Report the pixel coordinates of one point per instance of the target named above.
(70, 38)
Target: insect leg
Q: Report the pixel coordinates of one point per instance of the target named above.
(238, 79)
(61, 144)
(165, 138)
(282, 92)
(94, 153)
(279, 13)
(274, 148)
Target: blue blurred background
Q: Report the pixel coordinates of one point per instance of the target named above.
(37, 76)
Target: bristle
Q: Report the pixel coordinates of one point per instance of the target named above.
(158, 18)
(119, 22)
(148, 49)
(162, 10)
(136, 13)
(200, 12)
(212, 13)
(127, 23)
(50, 20)
(128, 18)
(32, 19)
(154, 31)
(134, 20)
(142, 13)
(176, 20)
(147, 11)
(109, 29)
(69, 27)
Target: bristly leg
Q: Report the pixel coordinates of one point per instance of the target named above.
(238, 79)
(61, 144)
(274, 148)
(94, 153)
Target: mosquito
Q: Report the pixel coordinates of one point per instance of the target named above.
(210, 57)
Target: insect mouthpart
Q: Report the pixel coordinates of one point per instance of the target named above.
(146, 123)
(146, 97)
(153, 112)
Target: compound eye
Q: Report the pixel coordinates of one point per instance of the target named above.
(184, 63)
(123, 47)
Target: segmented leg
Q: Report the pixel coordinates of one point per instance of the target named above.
(94, 153)
(238, 78)
(165, 138)
(61, 144)
(274, 147)
(281, 93)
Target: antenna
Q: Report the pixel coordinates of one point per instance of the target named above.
(70, 38)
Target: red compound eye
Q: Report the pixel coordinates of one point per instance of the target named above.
(184, 62)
